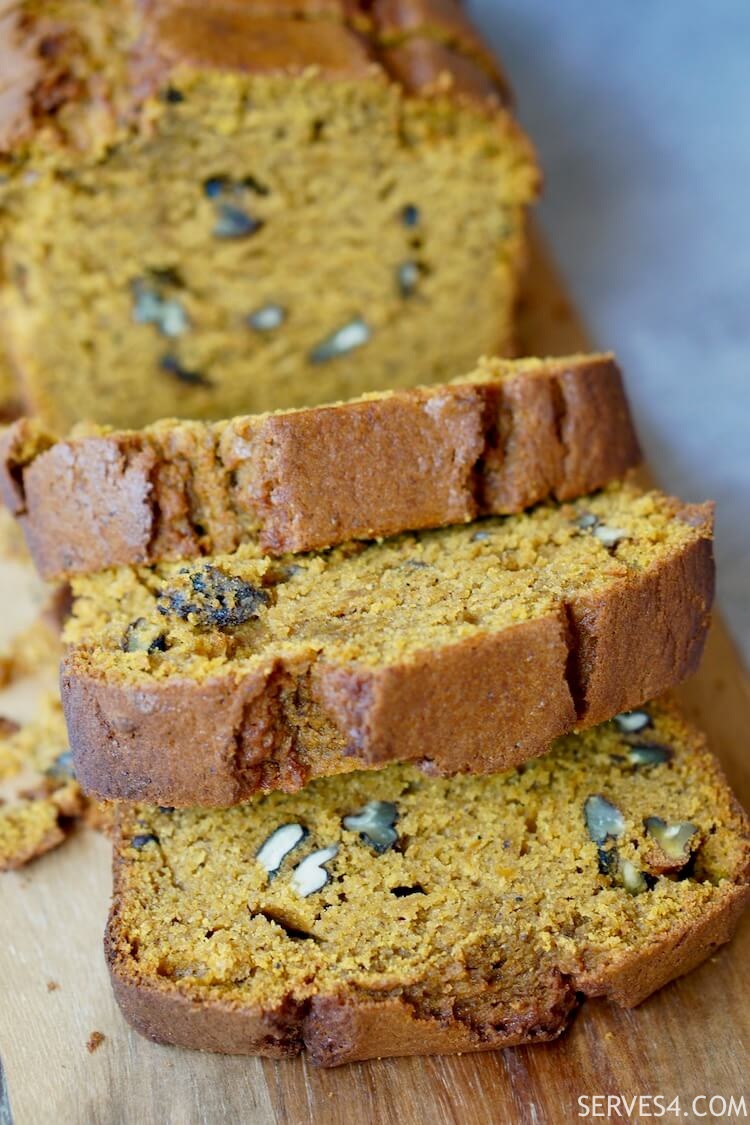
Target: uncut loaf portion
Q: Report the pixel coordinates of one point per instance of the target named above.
(464, 649)
(232, 207)
(389, 913)
(506, 436)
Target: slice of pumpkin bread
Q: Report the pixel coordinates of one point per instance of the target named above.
(214, 208)
(467, 649)
(498, 440)
(388, 913)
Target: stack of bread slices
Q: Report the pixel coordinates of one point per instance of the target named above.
(373, 685)
(376, 688)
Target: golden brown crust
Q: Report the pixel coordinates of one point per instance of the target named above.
(366, 470)
(442, 19)
(648, 635)
(595, 428)
(506, 694)
(342, 39)
(105, 492)
(479, 706)
(310, 479)
(336, 38)
(239, 39)
(331, 1030)
(130, 747)
(417, 37)
(426, 68)
(631, 979)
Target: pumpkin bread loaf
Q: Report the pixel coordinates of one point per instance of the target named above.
(237, 206)
(465, 649)
(390, 913)
(499, 440)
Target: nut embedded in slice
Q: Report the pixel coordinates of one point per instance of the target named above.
(648, 754)
(632, 722)
(675, 843)
(310, 875)
(604, 820)
(633, 880)
(375, 824)
(279, 844)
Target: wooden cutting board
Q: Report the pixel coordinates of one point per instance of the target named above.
(690, 1040)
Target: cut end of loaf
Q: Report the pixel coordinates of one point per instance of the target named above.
(325, 265)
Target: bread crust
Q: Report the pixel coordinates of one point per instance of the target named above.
(481, 705)
(644, 637)
(309, 479)
(506, 694)
(632, 979)
(331, 1030)
(340, 39)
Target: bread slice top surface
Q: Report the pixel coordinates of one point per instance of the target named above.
(370, 605)
(579, 863)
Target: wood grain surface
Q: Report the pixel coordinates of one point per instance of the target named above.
(692, 1039)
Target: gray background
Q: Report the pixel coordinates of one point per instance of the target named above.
(640, 110)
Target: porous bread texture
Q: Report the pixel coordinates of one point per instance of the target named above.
(40, 796)
(498, 440)
(474, 930)
(465, 649)
(216, 209)
(40, 799)
(37, 649)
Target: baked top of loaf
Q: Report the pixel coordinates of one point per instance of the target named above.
(498, 440)
(62, 60)
(202, 683)
(390, 913)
